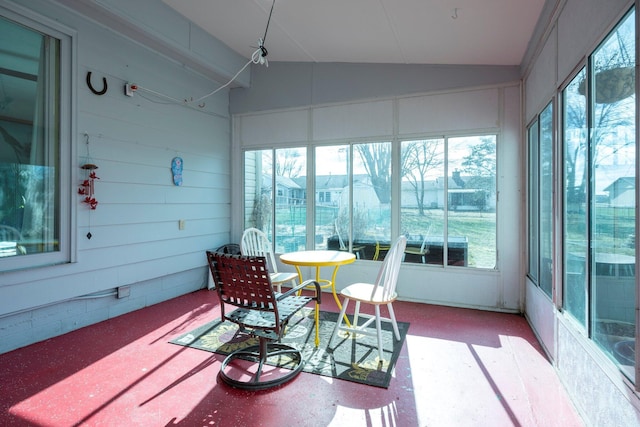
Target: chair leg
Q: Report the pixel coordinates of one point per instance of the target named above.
(263, 349)
(392, 317)
(356, 314)
(259, 355)
(345, 303)
(317, 321)
(379, 334)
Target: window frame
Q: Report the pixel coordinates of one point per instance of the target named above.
(586, 327)
(563, 295)
(313, 197)
(594, 242)
(66, 126)
(533, 202)
(535, 196)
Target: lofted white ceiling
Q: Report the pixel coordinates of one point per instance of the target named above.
(481, 32)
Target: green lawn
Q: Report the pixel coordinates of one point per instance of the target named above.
(478, 227)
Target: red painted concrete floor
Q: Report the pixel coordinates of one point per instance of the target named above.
(458, 367)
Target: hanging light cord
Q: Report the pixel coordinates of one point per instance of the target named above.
(259, 56)
(263, 49)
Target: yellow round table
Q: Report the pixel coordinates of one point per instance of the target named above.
(319, 259)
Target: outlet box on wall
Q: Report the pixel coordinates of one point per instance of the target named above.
(124, 291)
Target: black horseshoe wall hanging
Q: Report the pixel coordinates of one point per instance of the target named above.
(97, 92)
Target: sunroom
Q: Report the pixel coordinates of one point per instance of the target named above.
(514, 184)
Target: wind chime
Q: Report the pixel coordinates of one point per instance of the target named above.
(87, 187)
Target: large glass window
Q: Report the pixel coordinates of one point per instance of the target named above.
(275, 196)
(333, 200)
(540, 200)
(355, 213)
(546, 200)
(533, 201)
(599, 196)
(372, 197)
(467, 216)
(471, 201)
(612, 148)
(442, 193)
(258, 190)
(576, 181)
(422, 208)
(30, 150)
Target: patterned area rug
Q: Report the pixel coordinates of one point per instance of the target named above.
(347, 359)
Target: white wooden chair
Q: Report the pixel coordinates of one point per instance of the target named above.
(423, 250)
(382, 292)
(356, 249)
(256, 243)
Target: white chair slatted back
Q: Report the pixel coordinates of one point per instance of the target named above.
(388, 274)
(256, 243)
(343, 246)
(424, 245)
